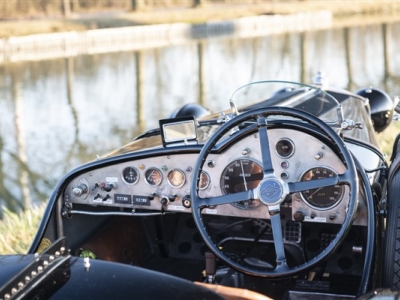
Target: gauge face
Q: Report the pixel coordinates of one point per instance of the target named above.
(176, 178)
(241, 175)
(322, 198)
(130, 175)
(204, 181)
(153, 176)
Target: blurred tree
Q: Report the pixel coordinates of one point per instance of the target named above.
(199, 2)
(138, 5)
(66, 5)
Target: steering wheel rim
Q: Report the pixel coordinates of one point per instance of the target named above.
(271, 182)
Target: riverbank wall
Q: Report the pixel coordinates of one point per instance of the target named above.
(66, 44)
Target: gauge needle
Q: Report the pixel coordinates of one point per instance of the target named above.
(151, 174)
(314, 192)
(174, 179)
(244, 177)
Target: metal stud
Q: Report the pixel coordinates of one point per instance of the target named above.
(246, 151)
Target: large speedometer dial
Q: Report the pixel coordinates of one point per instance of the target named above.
(241, 175)
(322, 198)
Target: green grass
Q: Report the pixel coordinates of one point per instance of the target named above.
(17, 230)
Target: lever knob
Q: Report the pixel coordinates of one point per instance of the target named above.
(172, 198)
(164, 200)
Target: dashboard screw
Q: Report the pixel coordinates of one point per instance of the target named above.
(318, 156)
(246, 151)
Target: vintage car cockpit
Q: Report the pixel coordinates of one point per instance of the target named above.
(277, 195)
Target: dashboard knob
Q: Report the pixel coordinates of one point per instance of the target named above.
(152, 196)
(108, 186)
(172, 198)
(164, 200)
(80, 190)
(299, 216)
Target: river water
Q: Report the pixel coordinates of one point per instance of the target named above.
(60, 113)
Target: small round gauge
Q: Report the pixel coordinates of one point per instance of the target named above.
(284, 148)
(325, 197)
(176, 178)
(241, 175)
(153, 176)
(204, 181)
(130, 175)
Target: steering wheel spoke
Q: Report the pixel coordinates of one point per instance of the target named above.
(278, 239)
(264, 141)
(225, 199)
(300, 186)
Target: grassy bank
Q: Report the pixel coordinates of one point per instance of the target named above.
(17, 230)
(342, 10)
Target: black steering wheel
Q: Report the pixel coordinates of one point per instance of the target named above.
(272, 190)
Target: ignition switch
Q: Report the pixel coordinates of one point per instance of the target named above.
(80, 190)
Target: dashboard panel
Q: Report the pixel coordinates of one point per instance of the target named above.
(162, 183)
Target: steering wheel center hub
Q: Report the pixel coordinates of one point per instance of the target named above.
(271, 191)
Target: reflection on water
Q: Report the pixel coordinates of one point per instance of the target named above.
(58, 114)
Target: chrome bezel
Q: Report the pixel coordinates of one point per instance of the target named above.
(292, 144)
(183, 177)
(153, 169)
(208, 181)
(137, 175)
(317, 207)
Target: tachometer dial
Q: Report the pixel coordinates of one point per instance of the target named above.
(176, 178)
(241, 175)
(130, 175)
(322, 198)
(153, 176)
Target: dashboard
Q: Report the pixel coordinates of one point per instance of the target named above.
(162, 183)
